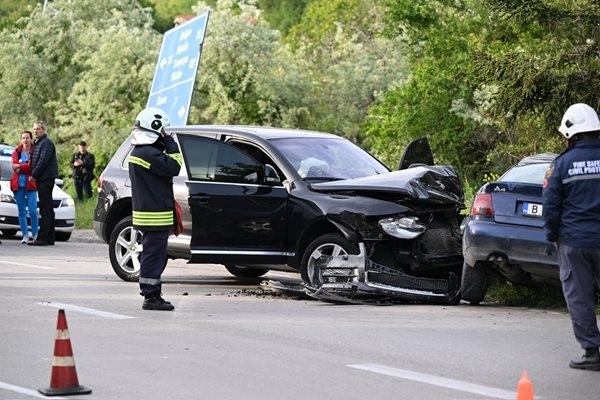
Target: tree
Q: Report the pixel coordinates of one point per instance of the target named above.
(12, 10)
(83, 67)
(247, 75)
(551, 62)
(283, 14)
(438, 37)
(351, 63)
(165, 11)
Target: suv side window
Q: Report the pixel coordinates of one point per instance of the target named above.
(212, 160)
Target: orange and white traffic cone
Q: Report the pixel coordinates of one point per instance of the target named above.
(524, 388)
(64, 376)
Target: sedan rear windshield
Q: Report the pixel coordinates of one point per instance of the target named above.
(533, 173)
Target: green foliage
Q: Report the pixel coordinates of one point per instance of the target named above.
(439, 90)
(247, 75)
(12, 10)
(545, 296)
(551, 61)
(350, 62)
(165, 12)
(83, 67)
(250, 76)
(283, 14)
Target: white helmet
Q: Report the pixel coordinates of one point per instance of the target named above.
(579, 118)
(148, 125)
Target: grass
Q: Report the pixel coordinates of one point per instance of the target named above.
(541, 296)
(84, 210)
(85, 213)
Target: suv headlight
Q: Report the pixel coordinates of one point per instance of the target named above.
(7, 198)
(402, 227)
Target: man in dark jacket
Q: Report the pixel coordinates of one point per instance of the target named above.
(571, 211)
(44, 169)
(83, 164)
(153, 163)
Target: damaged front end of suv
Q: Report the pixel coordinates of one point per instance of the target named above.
(402, 242)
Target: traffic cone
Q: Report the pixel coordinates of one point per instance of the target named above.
(64, 377)
(524, 388)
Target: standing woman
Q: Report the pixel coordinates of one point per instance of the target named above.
(24, 187)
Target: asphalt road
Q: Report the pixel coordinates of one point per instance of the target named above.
(232, 339)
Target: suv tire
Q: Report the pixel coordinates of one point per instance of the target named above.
(124, 249)
(317, 254)
(241, 271)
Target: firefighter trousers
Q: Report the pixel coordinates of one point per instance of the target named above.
(153, 261)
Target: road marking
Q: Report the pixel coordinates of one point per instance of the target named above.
(438, 381)
(27, 392)
(25, 265)
(84, 310)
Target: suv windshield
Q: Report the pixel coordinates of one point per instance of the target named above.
(329, 158)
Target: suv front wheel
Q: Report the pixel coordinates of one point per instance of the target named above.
(124, 249)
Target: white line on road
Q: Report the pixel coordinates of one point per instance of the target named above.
(27, 392)
(25, 265)
(438, 381)
(84, 310)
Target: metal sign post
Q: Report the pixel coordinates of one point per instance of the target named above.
(176, 69)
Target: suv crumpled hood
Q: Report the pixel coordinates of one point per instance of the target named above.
(432, 184)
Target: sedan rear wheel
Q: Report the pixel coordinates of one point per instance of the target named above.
(245, 272)
(474, 282)
(319, 253)
(124, 249)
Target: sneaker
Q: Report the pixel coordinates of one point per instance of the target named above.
(156, 302)
(589, 360)
(24, 241)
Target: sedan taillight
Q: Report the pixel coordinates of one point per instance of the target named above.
(482, 205)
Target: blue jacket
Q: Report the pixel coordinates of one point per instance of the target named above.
(571, 196)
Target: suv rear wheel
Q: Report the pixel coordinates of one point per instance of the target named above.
(124, 249)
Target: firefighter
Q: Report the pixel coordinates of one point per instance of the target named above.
(153, 162)
(571, 212)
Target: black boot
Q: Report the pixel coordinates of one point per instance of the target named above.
(590, 360)
(156, 302)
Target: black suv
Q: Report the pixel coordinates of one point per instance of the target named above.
(258, 198)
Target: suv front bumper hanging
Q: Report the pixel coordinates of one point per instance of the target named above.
(356, 279)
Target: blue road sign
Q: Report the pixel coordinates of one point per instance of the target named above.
(176, 69)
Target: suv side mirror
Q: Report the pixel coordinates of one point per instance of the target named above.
(271, 176)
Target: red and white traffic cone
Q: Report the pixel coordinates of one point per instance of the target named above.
(64, 376)
(525, 388)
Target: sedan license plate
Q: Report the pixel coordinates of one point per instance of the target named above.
(532, 209)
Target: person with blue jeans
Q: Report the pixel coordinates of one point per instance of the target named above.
(24, 188)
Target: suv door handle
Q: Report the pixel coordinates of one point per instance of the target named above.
(200, 198)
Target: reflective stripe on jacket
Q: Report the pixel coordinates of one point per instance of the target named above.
(151, 172)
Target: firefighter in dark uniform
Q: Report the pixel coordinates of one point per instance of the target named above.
(153, 162)
(571, 211)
